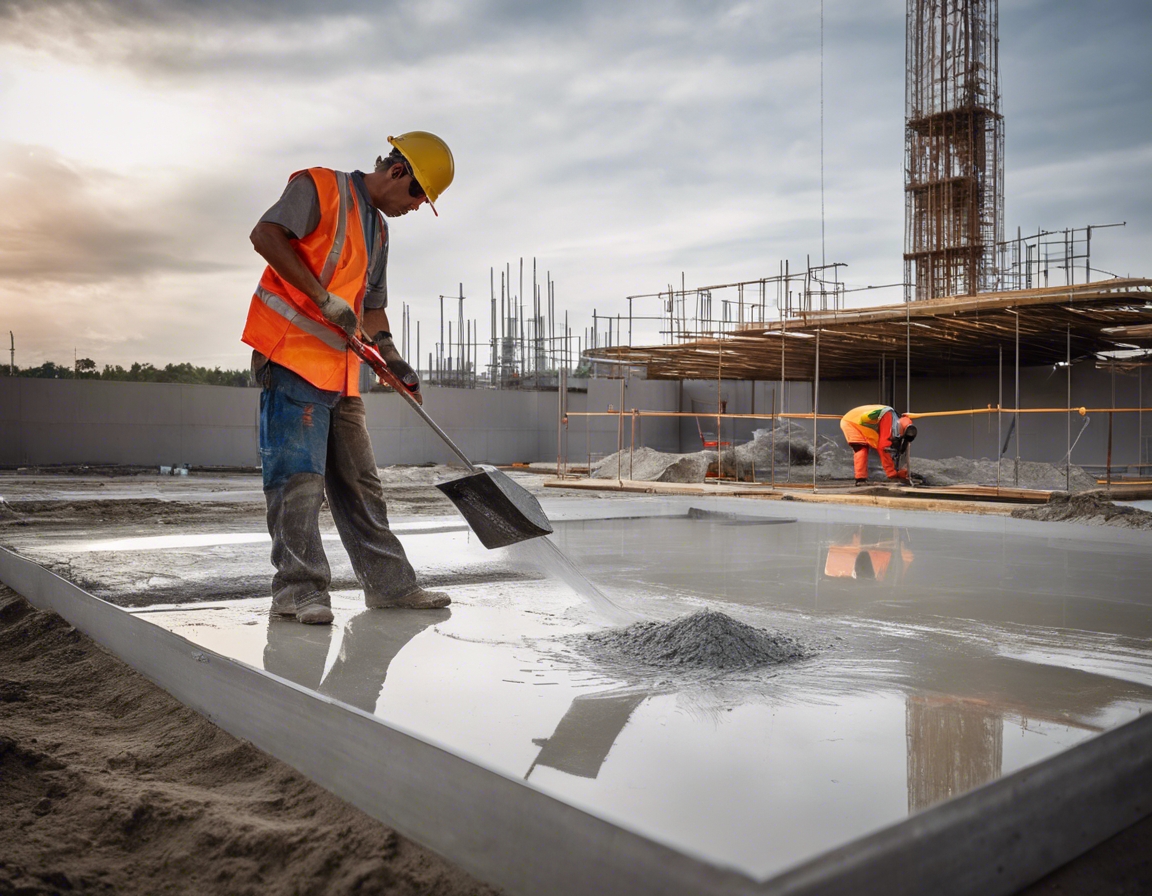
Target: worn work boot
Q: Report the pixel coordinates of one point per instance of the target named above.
(314, 609)
(416, 599)
(282, 605)
(314, 614)
(860, 482)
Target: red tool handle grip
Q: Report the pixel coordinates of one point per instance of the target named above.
(370, 355)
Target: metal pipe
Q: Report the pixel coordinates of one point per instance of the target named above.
(815, 409)
(620, 432)
(1016, 416)
(561, 419)
(773, 425)
(1108, 472)
(1108, 475)
(719, 403)
(907, 358)
(1068, 416)
(632, 447)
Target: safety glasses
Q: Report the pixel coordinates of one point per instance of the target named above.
(414, 188)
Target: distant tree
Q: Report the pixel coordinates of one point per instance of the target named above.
(85, 368)
(48, 371)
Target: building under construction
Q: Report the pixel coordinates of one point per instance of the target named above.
(1001, 313)
(953, 149)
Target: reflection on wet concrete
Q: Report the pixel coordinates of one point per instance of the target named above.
(371, 641)
(869, 556)
(953, 746)
(947, 658)
(586, 733)
(1074, 582)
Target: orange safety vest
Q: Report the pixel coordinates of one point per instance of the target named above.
(284, 324)
(861, 425)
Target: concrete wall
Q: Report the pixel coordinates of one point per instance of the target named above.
(89, 421)
(94, 422)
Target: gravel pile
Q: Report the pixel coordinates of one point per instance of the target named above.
(703, 641)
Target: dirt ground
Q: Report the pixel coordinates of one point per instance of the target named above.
(111, 786)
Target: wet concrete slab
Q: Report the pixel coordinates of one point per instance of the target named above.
(947, 653)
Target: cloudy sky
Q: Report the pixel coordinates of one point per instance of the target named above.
(619, 143)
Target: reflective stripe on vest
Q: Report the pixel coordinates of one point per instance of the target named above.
(341, 230)
(284, 324)
(326, 335)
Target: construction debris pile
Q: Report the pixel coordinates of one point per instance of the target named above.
(1093, 509)
(703, 641)
(785, 455)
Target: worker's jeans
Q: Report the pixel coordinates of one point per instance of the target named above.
(314, 442)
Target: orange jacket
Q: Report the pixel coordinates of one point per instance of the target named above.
(284, 324)
(871, 425)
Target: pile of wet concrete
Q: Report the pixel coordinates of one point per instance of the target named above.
(706, 641)
(786, 446)
(1093, 509)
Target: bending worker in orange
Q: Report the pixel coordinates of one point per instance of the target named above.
(326, 245)
(880, 428)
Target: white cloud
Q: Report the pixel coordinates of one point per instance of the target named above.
(620, 143)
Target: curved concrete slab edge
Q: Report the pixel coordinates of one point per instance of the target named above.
(994, 840)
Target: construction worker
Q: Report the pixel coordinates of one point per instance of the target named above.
(326, 245)
(880, 428)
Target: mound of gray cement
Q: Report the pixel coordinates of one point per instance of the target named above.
(791, 445)
(704, 641)
(649, 465)
(1091, 509)
(965, 471)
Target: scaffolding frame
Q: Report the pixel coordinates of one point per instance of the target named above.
(953, 148)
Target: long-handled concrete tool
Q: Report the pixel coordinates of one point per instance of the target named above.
(499, 511)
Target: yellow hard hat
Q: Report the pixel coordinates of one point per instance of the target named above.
(431, 162)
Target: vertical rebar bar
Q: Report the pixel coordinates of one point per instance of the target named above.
(632, 446)
(1108, 469)
(999, 413)
(719, 402)
(620, 436)
(907, 359)
(772, 420)
(561, 417)
(815, 408)
(783, 392)
(1016, 415)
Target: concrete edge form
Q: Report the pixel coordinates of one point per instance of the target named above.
(994, 840)
(496, 828)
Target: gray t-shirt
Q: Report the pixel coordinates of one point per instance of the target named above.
(298, 211)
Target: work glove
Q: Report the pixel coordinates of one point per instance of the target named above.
(339, 312)
(397, 364)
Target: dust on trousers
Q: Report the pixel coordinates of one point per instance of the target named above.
(313, 443)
